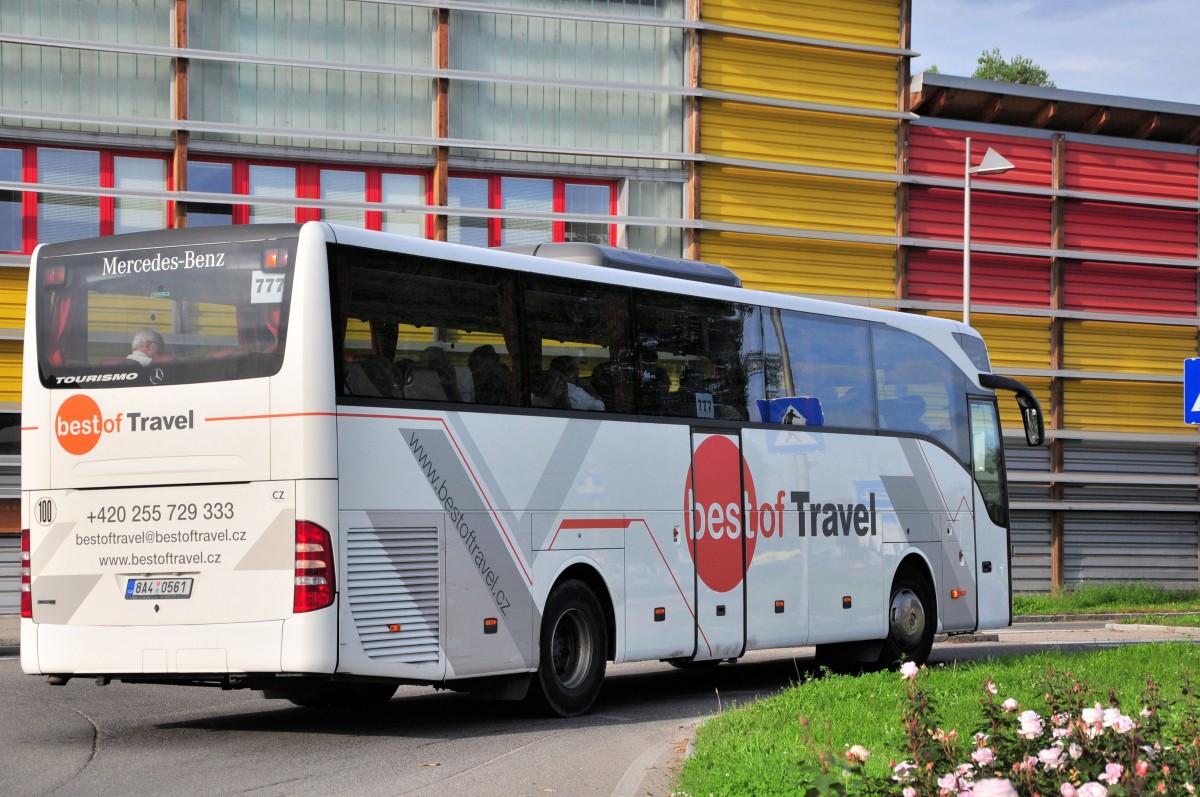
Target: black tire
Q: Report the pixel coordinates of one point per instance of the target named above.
(343, 697)
(912, 622)
(573, 652)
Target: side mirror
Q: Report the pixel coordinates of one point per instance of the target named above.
(1031, 410)
(1031, 415)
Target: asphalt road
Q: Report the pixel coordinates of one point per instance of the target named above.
(82, 739)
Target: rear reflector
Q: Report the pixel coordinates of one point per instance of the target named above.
(314, 568)
(26, 579)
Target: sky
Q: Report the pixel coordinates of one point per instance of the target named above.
(1132, 48)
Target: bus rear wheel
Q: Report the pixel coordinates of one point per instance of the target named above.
(573, 652)
(912, 622)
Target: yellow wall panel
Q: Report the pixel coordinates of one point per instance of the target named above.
(10, 371)
(874, 22)
(786, 135)
(1127, 348)
(1014, 342)
(13, 284)
(754, 196)
(787, 265)
(1107, 406)
(796, 72)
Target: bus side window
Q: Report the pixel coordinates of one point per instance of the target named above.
(576, 334)
(694, 355)
(824, 358)
(918, 389)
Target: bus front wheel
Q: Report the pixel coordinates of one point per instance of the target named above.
(912, 622)
(573, 652)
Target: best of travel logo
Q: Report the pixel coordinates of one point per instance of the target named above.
(79, 423)
(722, 516)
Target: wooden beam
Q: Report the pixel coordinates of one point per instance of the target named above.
(1148, 127)
(992, 109)
(1046, 115)
(1097, 121)
(441, 123)
(179, 101)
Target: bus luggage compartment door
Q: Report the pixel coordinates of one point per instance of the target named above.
(716, 537)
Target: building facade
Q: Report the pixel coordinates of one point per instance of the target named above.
(777, 138)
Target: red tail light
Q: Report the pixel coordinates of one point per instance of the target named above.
(26, 577)
(314, 568)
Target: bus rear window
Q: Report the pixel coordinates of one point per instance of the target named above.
(144, 311)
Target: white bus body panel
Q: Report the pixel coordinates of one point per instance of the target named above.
(494, 509)
(238, 444)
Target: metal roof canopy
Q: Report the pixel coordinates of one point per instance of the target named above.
(1036, 107)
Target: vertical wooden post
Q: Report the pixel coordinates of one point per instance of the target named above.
(691, 199)
(1057, 453)
(441, 121)
(904, 102)
(179, 101)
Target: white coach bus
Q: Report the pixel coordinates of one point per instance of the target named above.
(321, 462)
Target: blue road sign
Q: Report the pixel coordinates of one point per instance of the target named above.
(1191, 390)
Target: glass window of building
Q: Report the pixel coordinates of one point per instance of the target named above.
(348, 186)
(468, 192)
(10, 202)
(403, 189)
(68, 217)
(137, 215)
(272, 181)
(526, 193)
(209, 178)
(592, 200)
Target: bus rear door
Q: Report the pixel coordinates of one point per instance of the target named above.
(716, 539)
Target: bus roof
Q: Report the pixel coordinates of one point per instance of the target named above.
(629, 260)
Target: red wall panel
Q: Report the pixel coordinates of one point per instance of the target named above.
(941, 153)
(1007, 219)
(1122, 288)
(1130, 229)
(936, 275)
(1117, 170)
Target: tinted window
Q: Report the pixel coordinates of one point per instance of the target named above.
(693, 355)
(425, 330)
(156, 309)
(823, 361)
(918, 389)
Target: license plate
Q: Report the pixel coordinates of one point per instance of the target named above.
(158, 588)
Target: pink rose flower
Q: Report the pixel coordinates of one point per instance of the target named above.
(983, 756)
(908, 670)
(995, 787)
(1092, 789)
(1112, 773)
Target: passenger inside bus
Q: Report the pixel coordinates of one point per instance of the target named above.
(147, 345)
(491, 378)
(578, 395)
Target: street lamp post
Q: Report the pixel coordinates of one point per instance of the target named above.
(992, 163)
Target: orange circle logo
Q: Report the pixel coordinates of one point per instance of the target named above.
(78, 424)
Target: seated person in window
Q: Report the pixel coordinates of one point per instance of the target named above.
(493, 380)
(147, 344)
(548, 390)
(434, 359)
(577, 395)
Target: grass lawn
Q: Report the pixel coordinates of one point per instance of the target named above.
(768, 747)
(1108, 599)
(760, 749)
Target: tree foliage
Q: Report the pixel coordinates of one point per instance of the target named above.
(1018, 69)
